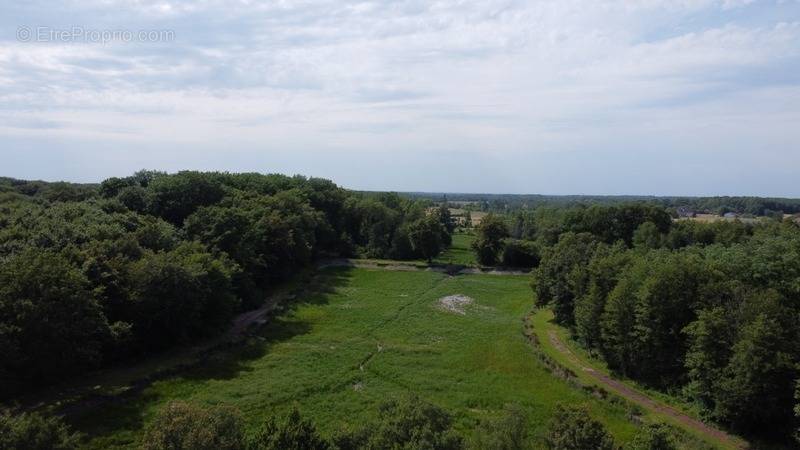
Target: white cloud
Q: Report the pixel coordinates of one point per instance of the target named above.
(500, 76)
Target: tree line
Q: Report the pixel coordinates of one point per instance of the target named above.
(509, 203)
(708, 311)
(91, 275)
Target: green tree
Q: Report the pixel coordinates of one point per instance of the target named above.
(294, 433)
(184, 426)
(32, 431)
(572, 428)
(761, 374)
(50, 324)
(647, 236)
(710, 343)
(605, 268)
(562, 275)
(409, 424)
(618, 321)
(664, 307)
(426, 237)
(181, 294)
(175, 197)
(507, 432)
(491, 232)
(654, 437)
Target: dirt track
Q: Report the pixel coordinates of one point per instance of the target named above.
(642, 400)
(413, 267)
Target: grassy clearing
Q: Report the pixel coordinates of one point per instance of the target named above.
(460, 251)
(368, 336)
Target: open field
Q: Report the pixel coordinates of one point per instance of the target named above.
(367, 336)
(475, 216)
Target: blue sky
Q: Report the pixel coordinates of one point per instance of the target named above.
(679, 97)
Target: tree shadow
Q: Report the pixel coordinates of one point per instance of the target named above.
(124, 413)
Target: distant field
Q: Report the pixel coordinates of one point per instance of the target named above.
(460, 252)
(716, 217)
(475, 216)
(374, 335)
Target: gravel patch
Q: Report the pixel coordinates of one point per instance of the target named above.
(455, 303)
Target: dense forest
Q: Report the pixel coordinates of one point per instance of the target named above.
(707, 311)
(91, 275)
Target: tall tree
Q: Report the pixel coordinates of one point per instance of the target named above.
(491, 232)
(426, 237)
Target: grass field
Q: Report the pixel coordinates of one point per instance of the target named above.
(460, 251)
(366, 336)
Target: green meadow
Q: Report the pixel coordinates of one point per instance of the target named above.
(460, 251)
(362, 336)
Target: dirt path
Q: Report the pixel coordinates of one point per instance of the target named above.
(82, 396)
(414, 267)
(243, 321)
(643, 400)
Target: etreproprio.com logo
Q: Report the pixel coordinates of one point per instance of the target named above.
(79, 34)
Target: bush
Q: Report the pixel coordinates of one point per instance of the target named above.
(507, 432)
(182, 425)
(573, 429)
(35, 432)
(654, 437)
(295, 433)
(407, 424)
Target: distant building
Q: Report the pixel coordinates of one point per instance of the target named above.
(730, 215)
(684, 211)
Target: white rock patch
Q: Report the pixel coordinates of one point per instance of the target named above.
(455, 303)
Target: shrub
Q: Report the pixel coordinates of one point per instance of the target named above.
(407, 424)
(182, 425)
(654, 437)
(572, 428)
(295, 433)
(35, 432)
(507, 432)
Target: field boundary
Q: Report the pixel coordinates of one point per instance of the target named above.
(600, 378)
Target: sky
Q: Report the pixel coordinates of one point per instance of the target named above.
(652, 97)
